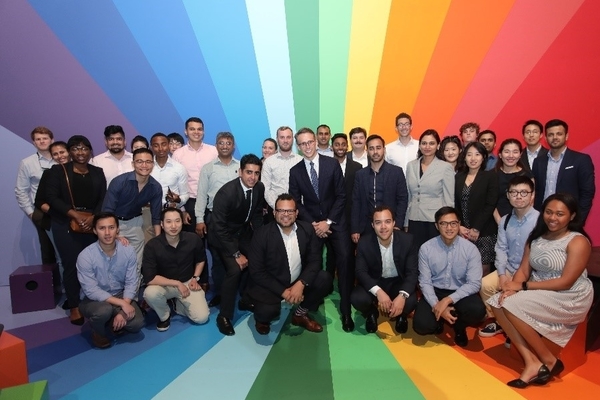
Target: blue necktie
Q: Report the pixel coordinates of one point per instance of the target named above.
(314, 179)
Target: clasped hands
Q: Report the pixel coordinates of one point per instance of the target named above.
(321, 229)
(387, 306)
(443, 309)
(126, 314)
(294, 294)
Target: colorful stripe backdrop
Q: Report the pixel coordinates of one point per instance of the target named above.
(252, 66)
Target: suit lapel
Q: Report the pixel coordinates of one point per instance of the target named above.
(567, 161)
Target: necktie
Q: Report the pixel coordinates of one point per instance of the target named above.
(314, 179)
(248, 202)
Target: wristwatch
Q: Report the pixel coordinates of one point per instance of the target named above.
(197, 278)
(302, 281)
(404, 294)
(237, 254)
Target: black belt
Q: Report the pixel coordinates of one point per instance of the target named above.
(128, 218)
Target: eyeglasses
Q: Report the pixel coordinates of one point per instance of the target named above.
(404, 125)
(285, 212)
(224, 143)
(522, 193)
(452, 224)
(142, 162)
(307, 143)
(81, 148)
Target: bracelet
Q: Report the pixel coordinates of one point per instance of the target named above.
(524, 285)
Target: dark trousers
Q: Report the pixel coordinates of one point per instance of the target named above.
(69, 246)
(313, 295)
(234, 281)
(339, 242)
(470, 312)
(46, 247)
(366, 303)
(101, 313)
(217, 269)
(422, 231)
(190, 208)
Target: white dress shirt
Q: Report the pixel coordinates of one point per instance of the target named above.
(293, 252)
(275, 175)
(112, 166)
(398, 154)
(172, 176)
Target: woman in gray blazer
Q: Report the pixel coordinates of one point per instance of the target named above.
(430, 183)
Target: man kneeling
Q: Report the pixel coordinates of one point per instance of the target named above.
(107, 271)
(172, 264)
(285, 263)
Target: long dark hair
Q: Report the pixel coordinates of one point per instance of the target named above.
(428, 132)
(505, 143)
(575, 225)
(480, 149)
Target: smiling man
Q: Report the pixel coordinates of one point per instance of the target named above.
(237, 212)
(532, 135)
(400, 152)
(116, 160)
(172, 265)
(563, 170)
(358, 137)
(128, 193)
(109, 279)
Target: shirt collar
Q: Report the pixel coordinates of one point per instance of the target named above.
(294, 229)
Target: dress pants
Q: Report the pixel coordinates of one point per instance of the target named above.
(190, 208)
(69, 246)
(46, 246)
(101, 313)
(470, 312)
(339, 242)
(217, 269)
(422, 231)
(365, 302)
(235, 281)
(313, 295)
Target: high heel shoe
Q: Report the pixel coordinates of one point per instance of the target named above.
(541, 378)
(558, 368)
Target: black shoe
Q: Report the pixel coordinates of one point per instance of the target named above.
(244, 305)
(172, 304)
(215, 301)
(347, 323)
(401, 324)
(541, 378)
(371, 322)
(263, 328)
(440, 327)
(162, 326)
(460, 338)
(224, 325)
(558, 368)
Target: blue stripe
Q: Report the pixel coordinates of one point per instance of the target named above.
(96, 35)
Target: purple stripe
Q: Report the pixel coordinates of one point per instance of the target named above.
(46, 332)
(42, 82)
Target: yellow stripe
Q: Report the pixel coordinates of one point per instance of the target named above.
(367, 36)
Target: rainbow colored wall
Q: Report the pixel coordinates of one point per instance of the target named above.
(251, 66)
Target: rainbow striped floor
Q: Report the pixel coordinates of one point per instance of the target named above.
(289, 363)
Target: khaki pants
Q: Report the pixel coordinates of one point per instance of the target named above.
(490, 285)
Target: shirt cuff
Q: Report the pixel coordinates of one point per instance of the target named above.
(407, 295)
(374, 290)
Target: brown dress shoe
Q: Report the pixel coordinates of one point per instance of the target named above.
(262, 328)
(306, 322)
(75, 317)
(100, 341)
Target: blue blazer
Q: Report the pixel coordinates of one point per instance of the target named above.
(576, 177)
(332, 193)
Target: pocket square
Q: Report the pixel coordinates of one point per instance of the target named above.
(569, 167)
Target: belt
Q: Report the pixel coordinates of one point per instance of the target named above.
(128, 218)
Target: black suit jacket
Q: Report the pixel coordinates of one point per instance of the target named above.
(332, 193)
(395, 195)
(57, 192)
(268, 263)
(576, 177)
(525, 160)
(482, 201)
(351, 168)
(369, 265)
(228, 229)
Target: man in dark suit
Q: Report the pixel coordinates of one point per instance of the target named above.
(381, 183)
(237, 212)
(532, 135)
(563, 170)
(339, 143)
(317, 185)
(386, 270)
(285, 263)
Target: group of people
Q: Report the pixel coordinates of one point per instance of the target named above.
(482, 236)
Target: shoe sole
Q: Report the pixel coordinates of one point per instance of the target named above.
(163, 329)
(486, 335)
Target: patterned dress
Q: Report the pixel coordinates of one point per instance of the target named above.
(485, 244)
(554, 314)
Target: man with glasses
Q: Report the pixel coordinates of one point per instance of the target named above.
(285, 264)
(450, 279)
(532, 135)
(400, 152)
(513, 231)
(317, 185)
(128, 193)
(28, 180)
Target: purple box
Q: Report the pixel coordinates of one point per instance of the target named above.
(31, 288)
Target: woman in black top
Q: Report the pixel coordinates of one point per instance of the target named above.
(88, 186)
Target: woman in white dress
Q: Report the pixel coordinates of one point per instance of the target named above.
(550, 293)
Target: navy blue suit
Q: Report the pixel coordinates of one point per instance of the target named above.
(330, 205)
(576, 177)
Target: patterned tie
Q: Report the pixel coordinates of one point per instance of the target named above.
(314, 179)
(248, 202)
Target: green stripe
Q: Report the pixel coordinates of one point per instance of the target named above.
(297, 366)
(361, 364)
(335, 18)
(302, 18)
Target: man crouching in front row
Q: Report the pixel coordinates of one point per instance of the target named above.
(285, 263)
(107, 271)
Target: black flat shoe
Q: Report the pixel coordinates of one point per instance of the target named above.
(224, 325)
(558, 368)
(541, 378)
(371, 322)
(347, 323)
(401, 324)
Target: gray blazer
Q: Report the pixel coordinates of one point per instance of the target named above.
(429, 193)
